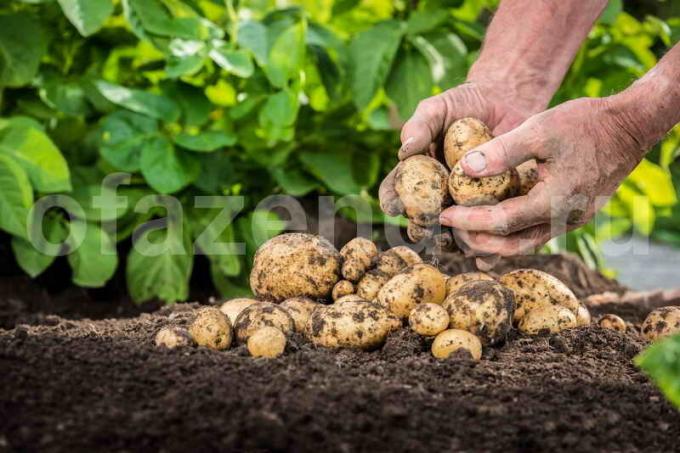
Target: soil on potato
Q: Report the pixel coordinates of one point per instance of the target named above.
(83, 385)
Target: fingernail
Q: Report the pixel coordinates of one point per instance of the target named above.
(475, 160)
(405, 145)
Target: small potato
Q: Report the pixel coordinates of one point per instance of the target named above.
(409, 256)
(268, 342)
(455, 282)
(547, 318)
(342, 288)
(418, 284)
(661, 322)
(417, 233)
(233, 307)
(533, 288)
(212, 329)
(172, 337)
(299, 308)
(420, 181)
(358, 256)
(262, 314)
(583, 317)
(390, 263)
(462, 136)
(428, 319)
(528, 176)
(371, 283)
(452, 340)
(467, 191)
(613, 322)
(482, 307)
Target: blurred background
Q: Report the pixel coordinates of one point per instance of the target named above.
(252, 98)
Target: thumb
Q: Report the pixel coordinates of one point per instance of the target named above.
(423, 127)
(498, 155)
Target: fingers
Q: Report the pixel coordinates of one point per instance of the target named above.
(487, 263)
(422, 129)
(389, 199)
(500, 154)
(515, 244)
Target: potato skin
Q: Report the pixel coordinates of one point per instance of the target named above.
(547, 318)
(418, 284)
(462, 136)
(661, 322)
(295, 264)
(358, 256)
(455, 282)
(371, 283)
(342, 288)
(172, 337)
(259, 315)
(468, 191)
(452, 340)
(267, 342)
(528, 176)
(212, 329)
(409, 256)
(420, 182)
(233, 307)
(299, 308)
(428, 319)
(484, 308)
(417, 233)
(612, 322)
(583, 317)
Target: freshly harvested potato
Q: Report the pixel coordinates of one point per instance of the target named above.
(661, 322)
(390, 263)
(547, 318)
(295, 264)
(268, 342)
(428, 319)
(468, 191)
(172, 337)
(358, 256)
(482, 307)
(455, 282)
(613, 322)
(417, 233)
(418, 284)
(342, 288)
(211, 328)
(534, 288)
(528, 176)
(583, 317)
(462, 136)
(299, 308)
(350, 324)
(233, 307)
(409, 256)
(452, 340)
(369, 286)
(259, 315)
(420, 182)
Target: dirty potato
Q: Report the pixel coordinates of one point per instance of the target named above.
(357, 258)
(342, 288)
(455, 282)
(295, 264)
(299, 308)
(420, 182)
(528, 176)
(418, 284)
(612, 322)
(468, 191)
(462, 136)
(390, 263)
(267, 342)
(547, 318)
(172, 337)
(259, 315)
(417, 233)
(409, 256)
(583, 317)
(371, 283)
(428, 319)
(661, 322)
(452, 340)
(211, 328)
(233, 307)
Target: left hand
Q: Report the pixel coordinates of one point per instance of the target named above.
(583, 149)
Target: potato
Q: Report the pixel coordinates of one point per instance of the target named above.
(484, 308)
(418, 284)
(172, 337)
(428, 319)
(409, 256)
(259, 315)
(613, 322)
(233, 307)
(420, 182)
(468, 191)
(455, 282)
(462, 136)
(342, 288)
(528, 176)
(295, 264)
(452, 340)
(299, 308)
(350, 297)
(268, 342)
(371, 283)
(350, 324)
(417, 233)
(358, 256)
(583, 317)
(661, 322)
(533, 288)
(547, 318)
(211, 328)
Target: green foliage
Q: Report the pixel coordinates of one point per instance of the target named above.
(661, 362)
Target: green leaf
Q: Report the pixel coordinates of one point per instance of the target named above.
(16, 197)
(165, 169)
(90, 191)
(655, 183)
(64, 95)
(206, 141)
(216, 239)
(371, 55)
(333, 168)
(410, 81)
(280, 110)
(425, 20)
(34, 261)
(195, 106)
(661, 362)
(22, 45)
(447, 55)
(94, 261)
(88, 16)
(253, 36)
(144, 102)
(153, 17)
(123, 137)
(293, 181)
(237, 62)
(614, 7)
(286, 55)
(40, 158)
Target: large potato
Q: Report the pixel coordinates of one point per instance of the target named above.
(232, 308)
(295, 264)
(358, 256)
(484, 308)
(420, 182)
(259, 315)
(462, 136)
(428, 319)
(350, 324)
(211, 328)
(418, 284)
(456, 282)
(371, 283)
(661, 322)
(547, 318)
(468, 191)
(534, 288)
(299, 308)
(452, 340)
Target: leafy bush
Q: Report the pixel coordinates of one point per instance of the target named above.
(205, 97)
(661, 362)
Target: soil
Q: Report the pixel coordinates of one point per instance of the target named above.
(82, 384)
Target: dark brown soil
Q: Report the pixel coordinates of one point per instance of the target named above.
(84, 385)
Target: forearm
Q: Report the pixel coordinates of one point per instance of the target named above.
(530, 45)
